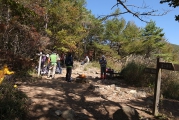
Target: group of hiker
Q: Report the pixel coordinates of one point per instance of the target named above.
(47, 61)
(52, 64)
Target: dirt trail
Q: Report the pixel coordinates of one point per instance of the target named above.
(88, 100)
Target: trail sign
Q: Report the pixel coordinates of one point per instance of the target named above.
(169, 66)
(150, 70)
(157, 72)
(40, 59)
(176, 67)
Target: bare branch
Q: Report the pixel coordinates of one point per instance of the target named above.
(104, 17)
(138, 14)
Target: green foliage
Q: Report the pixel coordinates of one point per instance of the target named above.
(175, 48)
(113, 33)
(49, 32)
(113, 29)
(169, 53)
(133, 74)
(18, 9)
(71, 27)
(131, 40)
(152, 39)
(12, 103)
(65, 23)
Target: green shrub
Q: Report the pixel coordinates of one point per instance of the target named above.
(172, 90)
(12, 103)
(133, 74)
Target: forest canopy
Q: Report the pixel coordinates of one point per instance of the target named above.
(28, 27)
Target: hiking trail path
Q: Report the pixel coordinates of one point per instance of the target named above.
(94, 100)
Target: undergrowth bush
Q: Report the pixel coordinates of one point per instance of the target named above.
(12, 103)
(170, 84)
(133, 74)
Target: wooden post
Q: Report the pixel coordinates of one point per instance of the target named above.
(157, 71)
(157, 88)
(39, 68)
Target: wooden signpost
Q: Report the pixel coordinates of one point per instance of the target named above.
(40, 60)
(157, 71)
(150, 70)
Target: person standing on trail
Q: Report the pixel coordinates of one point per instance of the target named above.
(53, 64)
(86, 60)
(69, 65)
(43, 64)
(103, 64)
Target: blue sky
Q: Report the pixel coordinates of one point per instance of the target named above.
(167, 22)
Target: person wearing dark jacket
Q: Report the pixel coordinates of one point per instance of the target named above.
(69, 65)
(103, 64)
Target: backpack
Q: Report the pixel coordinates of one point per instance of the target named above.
(43, 58)
(69, 61)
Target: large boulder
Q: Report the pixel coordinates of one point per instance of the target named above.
(126, 113)
(68, 114)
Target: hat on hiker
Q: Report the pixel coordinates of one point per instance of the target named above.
(47, 55)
